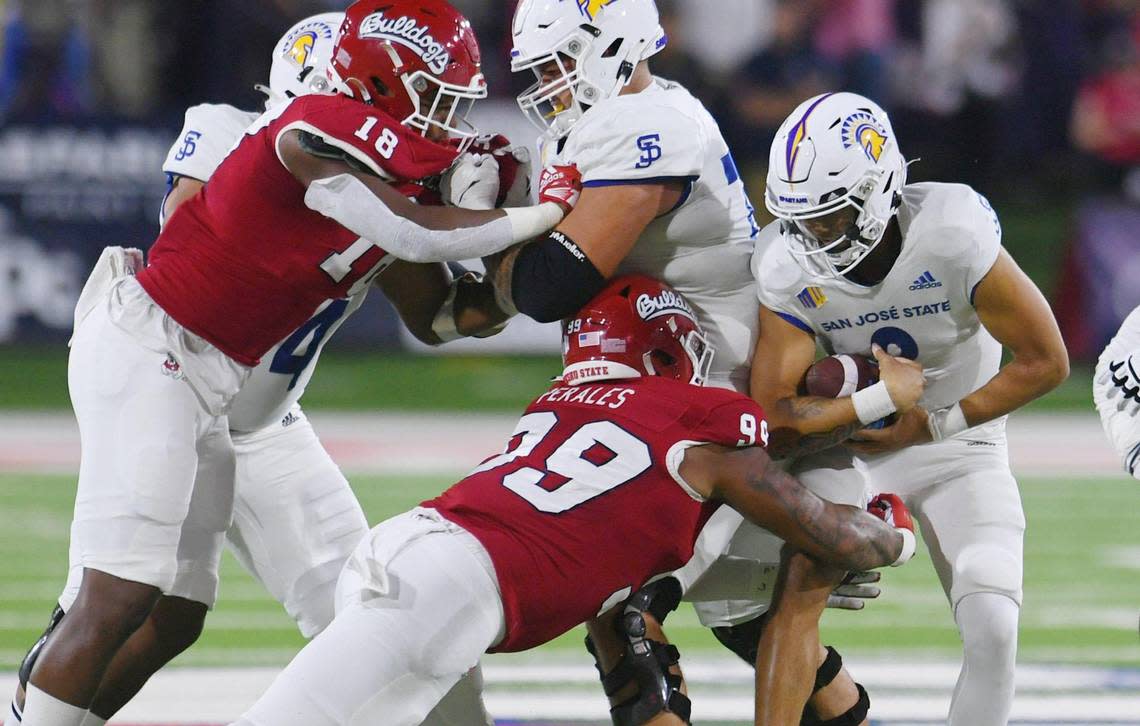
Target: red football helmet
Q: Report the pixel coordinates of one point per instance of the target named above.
(636, 326)
(392, 53)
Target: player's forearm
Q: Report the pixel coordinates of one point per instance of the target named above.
(843, 536)
(1016, 384)
(801, 425)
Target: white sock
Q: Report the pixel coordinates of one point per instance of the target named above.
(987, 622)
(42, 709)
(13, 716)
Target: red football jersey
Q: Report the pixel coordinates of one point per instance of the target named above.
(583, 508)
(245, 263)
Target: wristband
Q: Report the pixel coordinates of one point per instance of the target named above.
(529, 222)
(873, 403)
(908, 548)
(946, 422)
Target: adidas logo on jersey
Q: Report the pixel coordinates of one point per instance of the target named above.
(290, 419)
(925, 282)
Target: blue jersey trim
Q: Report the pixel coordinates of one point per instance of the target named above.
(689, 186)
(797, 322)
(974, 291)
(637, 182)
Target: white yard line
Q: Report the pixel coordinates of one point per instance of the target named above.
(452, 443)
(522, 687)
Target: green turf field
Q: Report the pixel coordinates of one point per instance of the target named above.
(36, 378)
(1082, 581)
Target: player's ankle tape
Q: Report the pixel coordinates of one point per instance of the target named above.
(873, 403)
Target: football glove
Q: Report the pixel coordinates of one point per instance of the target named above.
(472, 182)
(854, 591)
(890, 509)
(1122, 377)
(561, 185)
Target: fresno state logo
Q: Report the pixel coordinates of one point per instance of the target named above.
(410, 34)
(666, 302)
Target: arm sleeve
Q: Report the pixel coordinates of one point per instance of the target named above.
(643, 145)
(208, 134)
(347, 200)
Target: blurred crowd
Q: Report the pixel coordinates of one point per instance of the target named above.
(981, 90)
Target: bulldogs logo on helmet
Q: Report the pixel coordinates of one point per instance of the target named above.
(635, 327)
(417, 61)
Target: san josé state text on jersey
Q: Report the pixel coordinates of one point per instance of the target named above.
(922, 310)
(878, 317)
(244, 264)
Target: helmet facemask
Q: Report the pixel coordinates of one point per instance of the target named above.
(430, 105)
(694, 346)
(446, 110)
(541, 103)
(831, 238)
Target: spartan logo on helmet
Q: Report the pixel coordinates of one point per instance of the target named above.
(409, 33)
(864, 130)
(591, 8)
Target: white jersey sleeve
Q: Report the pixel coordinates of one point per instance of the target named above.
(208, 134)
(779, 280)
(639, 137)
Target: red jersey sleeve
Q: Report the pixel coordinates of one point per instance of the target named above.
(730, 419)
(376, 140)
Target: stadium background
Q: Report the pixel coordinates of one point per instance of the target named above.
(1036, 104)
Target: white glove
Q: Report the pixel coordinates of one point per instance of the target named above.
(472, 182)
(1121, 378)
(854, 591)
(519, 193)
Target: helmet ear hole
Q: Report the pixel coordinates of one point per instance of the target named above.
(382, 89)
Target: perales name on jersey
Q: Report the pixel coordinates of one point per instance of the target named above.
(881, 316)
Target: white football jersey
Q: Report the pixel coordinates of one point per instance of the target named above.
(923, 310)
(210, 132)
(703, 247)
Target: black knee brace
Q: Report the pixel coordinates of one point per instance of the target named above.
(645, 661)
(826, 673)
(29, 661)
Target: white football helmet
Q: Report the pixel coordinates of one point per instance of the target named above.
(835, 175)
(301, 59)
(605, 39)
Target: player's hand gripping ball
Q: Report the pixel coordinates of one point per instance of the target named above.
(838, 376)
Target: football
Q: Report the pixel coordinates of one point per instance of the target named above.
(838, 376)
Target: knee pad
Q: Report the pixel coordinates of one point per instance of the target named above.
(29, 661)
(646, 662)
(826, 673)
(986, 568)
(742, 639)
(851, 717)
